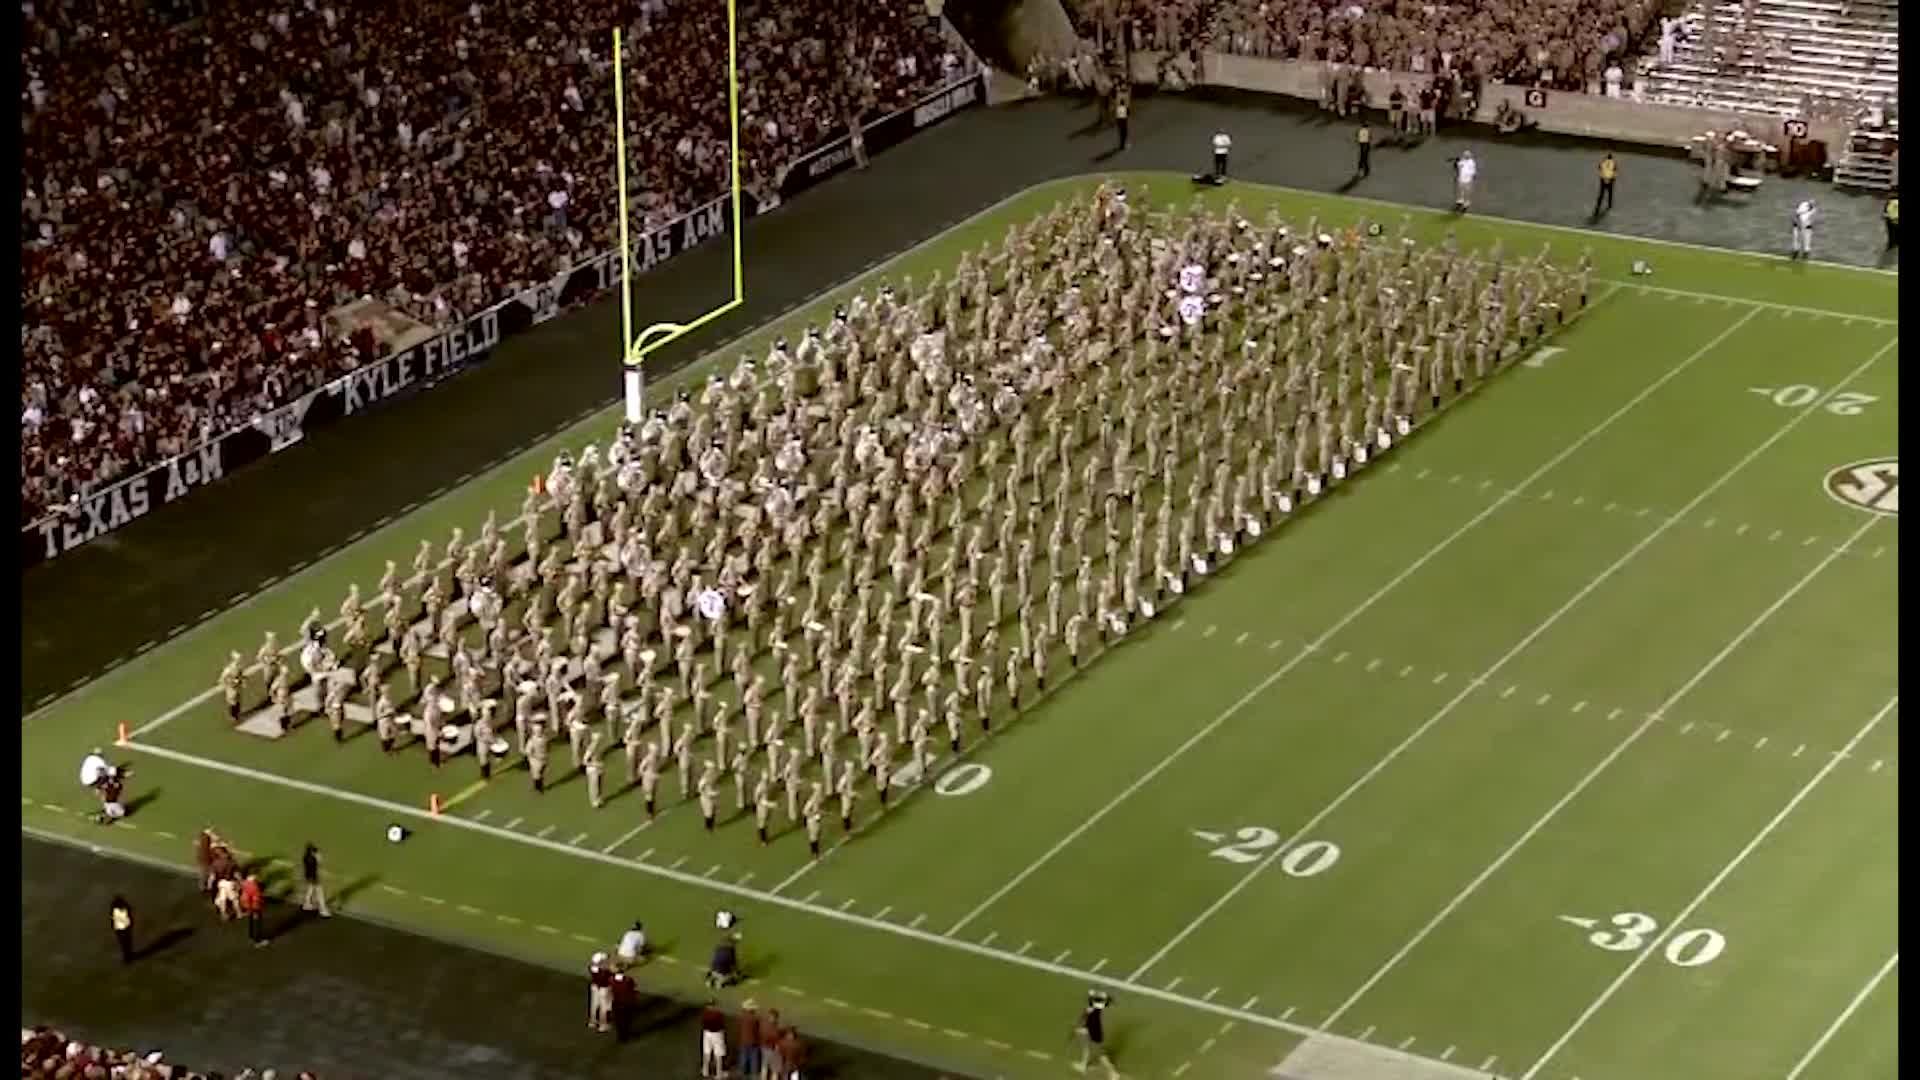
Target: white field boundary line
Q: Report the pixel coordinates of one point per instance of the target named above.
(573, 427)
(597, 414)
(1314, 646)
(1473, 685)
(741, 892)
(1652, 717)
(1845, 1015)
(1700, 898)
(1592, 775)
(1630, 238)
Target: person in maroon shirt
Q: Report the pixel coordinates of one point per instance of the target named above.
(713, 1041)
(599, 994)
(623, 1004)
(253, 904)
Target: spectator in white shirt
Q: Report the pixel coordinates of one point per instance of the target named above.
(1464, 171)
(633, 947)
(1614, 77)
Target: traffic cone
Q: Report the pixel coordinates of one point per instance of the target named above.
(433, 804)
(121, 737)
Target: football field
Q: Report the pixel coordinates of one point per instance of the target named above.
(1559, 742)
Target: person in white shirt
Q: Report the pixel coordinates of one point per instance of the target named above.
(1669, 30)
(1464, 170)
(1614, 77)
(1803, 230)
(633, 947)
(1222, 143)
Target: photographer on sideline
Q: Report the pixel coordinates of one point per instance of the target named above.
(1092, 1034)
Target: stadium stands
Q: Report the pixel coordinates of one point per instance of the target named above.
(45, 1052)
(200, 192)
(1798, 58)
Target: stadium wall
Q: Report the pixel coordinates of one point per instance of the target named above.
(458, 348)
(1587, 115)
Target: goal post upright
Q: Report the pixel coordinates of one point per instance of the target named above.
(654, 337)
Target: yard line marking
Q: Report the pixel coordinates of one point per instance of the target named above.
(1665, 707)
(575, 842)
(1210, 994)
(1593, 774)
(1174, 983)
(1412, 568)
(1242, 639)
(1373, 663)
(1712, 886)
(882, 913)
(917, 920)
(515, 823)
(626, 836)
(1845, 1015)
(543, 833)
(673, 874)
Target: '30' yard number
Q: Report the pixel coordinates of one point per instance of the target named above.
(1302, 860)
(1689, 948)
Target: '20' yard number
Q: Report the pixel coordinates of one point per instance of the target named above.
(1798, 397)
(1689, 948)
(1302, 860)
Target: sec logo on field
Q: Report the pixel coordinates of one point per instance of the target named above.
(1873, 486)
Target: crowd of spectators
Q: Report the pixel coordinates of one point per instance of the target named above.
(46, 1054)
(1560, 44)
(203, 182)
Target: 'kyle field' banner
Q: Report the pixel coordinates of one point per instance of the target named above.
(434, 360)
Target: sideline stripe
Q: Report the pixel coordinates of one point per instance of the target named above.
(760, 896)
(1845, 1015)
(1491, 508)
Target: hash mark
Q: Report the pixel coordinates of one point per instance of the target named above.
(542, 834)
(1488, 1064)
(1509, 691)
(1877, 762)
(1810, 541)
(1367, 1034)
(1801, 749)
(1614, 715)
(648, 854)
(545, 929)
(1447, 1054)
(515, 823)
(1440, 678)
(1686, 727)
(1373, 663)
(1761, 743)
(1288, 1015)
(988, 940)
(1095, 969)
(881, 915)
(679, 862)
(1024, 948)
(575, 842)
(468, 909)
(1777, 534)
(1548, 497)
(1174, 983)
(508, 919)
(1578, 705)
(1242, 639)
(811, 897)
(1406, 1042)
(1178, 623)
(483, 815)
(1643, 511)
(1208, 632)
(846, 905)
(1251, 1002)
(1406, 671)
(1341, 658)
(1424, 473)
(1742, 530)
(1062, 958)
(1611, 507)
(917, 920)
(1544, 698)
(1724, 732)
(1879, 551)
(1708, 524)
(1210, 994)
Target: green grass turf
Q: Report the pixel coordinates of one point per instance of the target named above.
(1613, 532)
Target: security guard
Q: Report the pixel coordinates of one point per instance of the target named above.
(1892, 218)
(1609, 169)
(1364, 137)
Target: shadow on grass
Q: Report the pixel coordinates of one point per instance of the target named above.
(164, 942)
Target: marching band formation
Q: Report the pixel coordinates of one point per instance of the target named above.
(837, 563)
